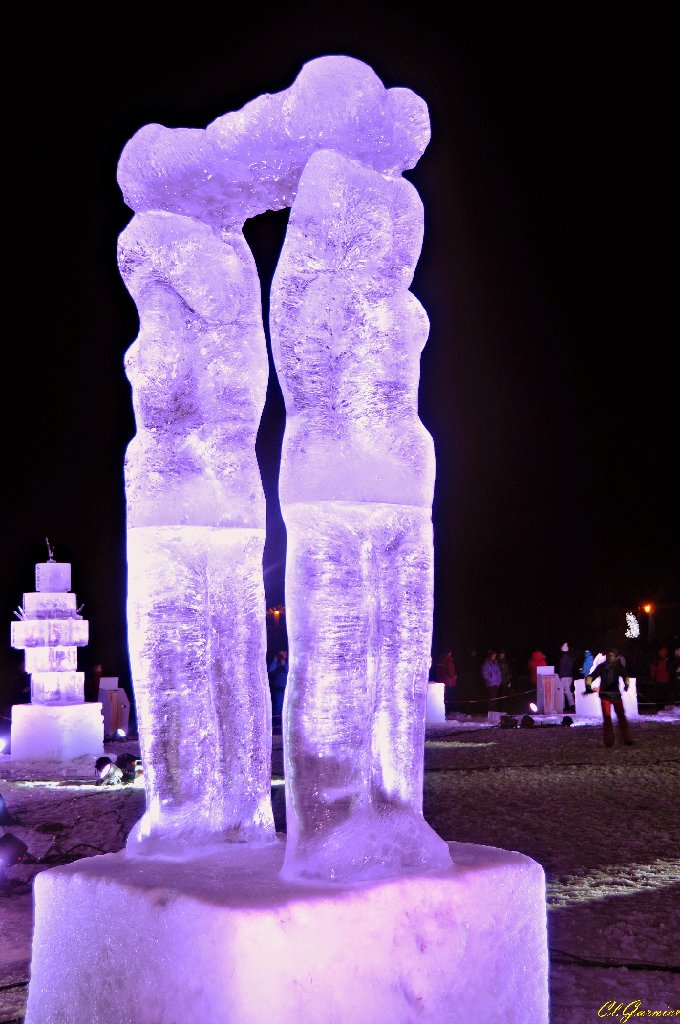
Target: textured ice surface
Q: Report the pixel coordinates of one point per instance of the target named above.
(250, 160)
(358, 464)
(50, 606)
(49, 632)
(195, 622)
(229, 942)
(51, 659)
(195, 516)
(347, 336)
(357, 476)
(53, 732)
(52, 577)
(57, 687)
(198, 370)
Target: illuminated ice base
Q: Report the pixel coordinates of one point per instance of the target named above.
(436, 708)
(56, 732)
(590, 705)
(222, 939)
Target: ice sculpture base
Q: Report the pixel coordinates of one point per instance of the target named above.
(590, 705)
(436, 708)
(56, 732)
(223, 939)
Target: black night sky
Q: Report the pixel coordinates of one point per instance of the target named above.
(549, 381)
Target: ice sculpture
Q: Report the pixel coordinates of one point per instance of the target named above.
(198, 371)
(49, 631)
(195, 510)
(58, 724)
(356, 486)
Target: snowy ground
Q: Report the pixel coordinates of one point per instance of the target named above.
(605, 825)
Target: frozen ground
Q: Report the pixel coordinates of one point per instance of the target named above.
(605, 825)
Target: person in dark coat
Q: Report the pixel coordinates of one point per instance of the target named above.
(565, 671)
(610, 672)
(506, 674)
(278, 677)
(491, 675)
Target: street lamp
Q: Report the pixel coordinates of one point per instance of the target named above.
(648, 609)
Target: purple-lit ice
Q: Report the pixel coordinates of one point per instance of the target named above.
(356, 481)
(356, 485)
(196, 518)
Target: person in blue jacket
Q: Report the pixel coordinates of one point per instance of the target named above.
(588, 658)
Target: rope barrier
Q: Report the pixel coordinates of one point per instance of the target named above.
(485, 701)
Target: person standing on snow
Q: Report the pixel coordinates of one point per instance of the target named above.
(609, 672)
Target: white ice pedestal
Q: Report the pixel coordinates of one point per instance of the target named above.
(436, 709)
(56, 732)
(115, 706)
(590, 706)
(548, 693)
(222, 940)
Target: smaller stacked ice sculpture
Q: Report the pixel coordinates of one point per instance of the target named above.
(57, 724)
(50, 631)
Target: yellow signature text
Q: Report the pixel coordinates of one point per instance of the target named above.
(632, 1009)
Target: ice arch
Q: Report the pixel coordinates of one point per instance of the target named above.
(198, 371)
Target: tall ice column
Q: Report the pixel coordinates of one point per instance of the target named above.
(356, 486)
(196, 517)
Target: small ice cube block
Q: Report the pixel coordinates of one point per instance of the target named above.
(51, 659)
(53, 577)
(50, 605)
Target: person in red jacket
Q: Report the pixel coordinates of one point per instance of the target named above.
(537, 659)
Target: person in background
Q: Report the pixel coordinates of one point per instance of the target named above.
(92, 681)
(565, 672)
(675, 676)
(445, 672)
(660, 674)
(506, 674)
(536, 661)
(491, 675)
(609, 672)
(278, 677)
(587, 663)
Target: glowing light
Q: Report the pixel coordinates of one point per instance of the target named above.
(648, 608)
(533, 707)
(3, 743)
(633, 626)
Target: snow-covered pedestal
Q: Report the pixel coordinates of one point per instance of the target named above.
(57, 725)
(115, 706)
(436, 709)
(43, 732)
(222, 939)
(548, 694)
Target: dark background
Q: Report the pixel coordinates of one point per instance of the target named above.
(549, 381)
